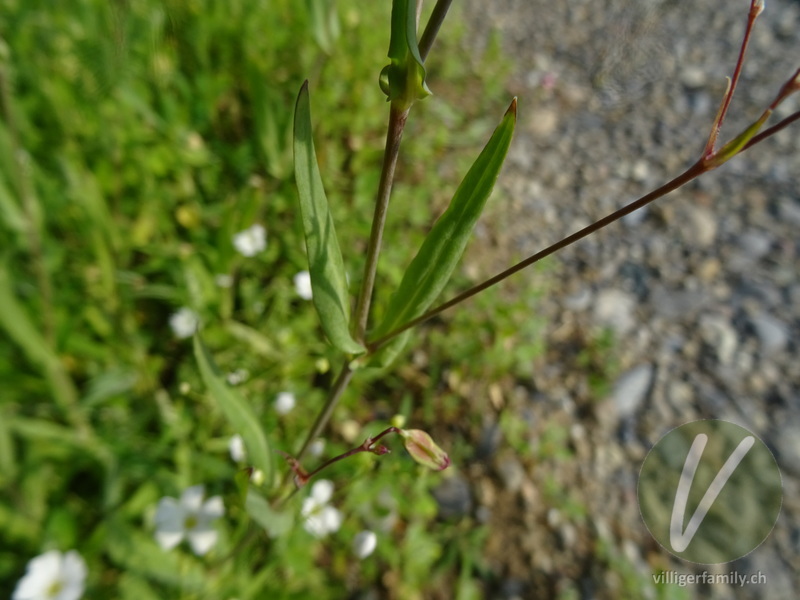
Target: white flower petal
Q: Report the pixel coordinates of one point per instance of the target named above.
(52, 570)
(192, 497)
(202, 540)
(41, 572)
(170, 515)
(322, 491)
(236, 448)
(331, 519)
(316, 448)
(74, 574)
(302, 285)
(284, 403)
(364, 543)
(309, 506)
(314, 526)
(214, 508)
(251, 241)
(169, 539)
(184, 323)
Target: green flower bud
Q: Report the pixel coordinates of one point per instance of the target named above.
(424, 450)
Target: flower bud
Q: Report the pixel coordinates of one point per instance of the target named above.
(424, 450)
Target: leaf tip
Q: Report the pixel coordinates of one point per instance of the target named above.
(512, 108)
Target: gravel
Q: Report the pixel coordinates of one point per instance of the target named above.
(700, 290)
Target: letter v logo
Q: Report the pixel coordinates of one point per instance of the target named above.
(709, 491)
(678, 538)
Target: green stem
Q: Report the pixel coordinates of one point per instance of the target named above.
(325, 414)
(397, 121)
(394, 134)
(770, 131)
(433, 26)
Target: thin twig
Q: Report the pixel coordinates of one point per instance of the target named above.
(756, 8)
(325, 414)
(433, 26)
(397, 121)
(695, 170)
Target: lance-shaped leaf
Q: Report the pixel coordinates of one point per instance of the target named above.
(403, 80)
(239, 413)
(436, 259)
(325, 264)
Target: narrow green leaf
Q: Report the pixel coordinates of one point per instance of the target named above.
(325, 264)
(436, 259)
(732, 148)
(403, 79)
(239, 413)
(276, 523)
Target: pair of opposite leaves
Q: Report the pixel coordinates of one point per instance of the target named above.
(430, 269)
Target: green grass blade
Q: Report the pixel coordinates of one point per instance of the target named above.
(239, 413)
(436, 259)
(325, 263)
(274, 522)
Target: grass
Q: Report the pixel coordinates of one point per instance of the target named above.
(136, 139)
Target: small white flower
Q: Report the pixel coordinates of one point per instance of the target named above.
(364, 543)
(184, 323)
(52, 576)
(316, 447)
(251, 241)
(223, 280)
(238, 376)
(189, 518)
(302, 284)
(284, 403)
(320, 518)
(236, 448)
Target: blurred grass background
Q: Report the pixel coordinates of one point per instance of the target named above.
(136, 139)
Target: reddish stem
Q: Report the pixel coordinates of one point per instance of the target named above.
(301, 477)
(756, 7)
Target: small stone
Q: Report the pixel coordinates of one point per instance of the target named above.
(700, 227)
(579, 301)
(454, 497)
(709, 269)
(719, 334)
(755, 244)
(772, 332)
(614, 308)
(543, 123)
(511, 473)
(631, 389)
(693, 77)
(640, 171)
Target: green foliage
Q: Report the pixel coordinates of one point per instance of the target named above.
(136, 140)
(436, 259)
(403, 79)
(325, 264)
(237, 411)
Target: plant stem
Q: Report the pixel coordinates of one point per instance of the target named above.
(325, 414)
(692, 172)
(397, 121)
(366, 446)
(769, 131)
(433, 26)
(394, 134)
(755, 10)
